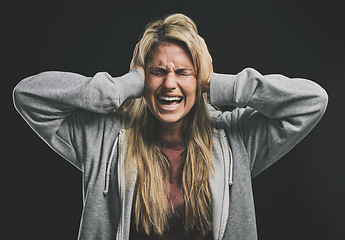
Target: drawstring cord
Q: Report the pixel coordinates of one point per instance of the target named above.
(231, 161)
(108, 169)
(231, 171)
(110, 160)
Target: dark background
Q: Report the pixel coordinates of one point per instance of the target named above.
(300, 197)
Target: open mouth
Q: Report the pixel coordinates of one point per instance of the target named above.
(167, 101)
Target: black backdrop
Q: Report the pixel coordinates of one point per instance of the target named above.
(300, 197)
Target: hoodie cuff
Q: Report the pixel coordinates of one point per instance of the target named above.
(132, 85)
(222, 89)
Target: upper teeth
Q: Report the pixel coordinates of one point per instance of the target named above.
(169, 98)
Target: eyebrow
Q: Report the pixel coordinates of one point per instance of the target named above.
(165, 69)
(184, 70)
(158, 68)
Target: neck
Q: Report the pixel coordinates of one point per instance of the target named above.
(171, 132)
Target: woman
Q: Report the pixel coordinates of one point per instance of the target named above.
(158, 162)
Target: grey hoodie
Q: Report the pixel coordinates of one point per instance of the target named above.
(76, 116)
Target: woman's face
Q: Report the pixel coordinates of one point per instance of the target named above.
(170, 83)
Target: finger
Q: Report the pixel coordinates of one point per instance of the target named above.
(135, 55)
(204, 47)
(136, 49)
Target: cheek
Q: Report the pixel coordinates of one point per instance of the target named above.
(149, 87)
(190, 94)
(191, 99)
(191, 90)
(149, 91)
(148, 95)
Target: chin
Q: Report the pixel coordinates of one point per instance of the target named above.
(169, 120)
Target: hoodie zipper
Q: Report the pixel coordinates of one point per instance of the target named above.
(121, 186)
(228, 170)
(126, 190)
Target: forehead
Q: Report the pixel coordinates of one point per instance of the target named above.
(168, 53)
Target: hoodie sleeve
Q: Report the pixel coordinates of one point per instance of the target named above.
(273, 112)
(60, 106)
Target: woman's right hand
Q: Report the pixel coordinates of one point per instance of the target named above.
(135, 64)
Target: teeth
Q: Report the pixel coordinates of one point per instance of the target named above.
(170, 106)
(165, 98)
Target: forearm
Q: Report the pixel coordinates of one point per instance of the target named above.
(60, 91)
(66, 108)
(275, 96)
(274, 112)
(47, 99)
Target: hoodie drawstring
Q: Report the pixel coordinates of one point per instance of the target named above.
(108, 169)
(110, 160)
(225, 146)
(231, 170)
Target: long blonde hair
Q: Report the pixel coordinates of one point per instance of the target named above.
(151, 207)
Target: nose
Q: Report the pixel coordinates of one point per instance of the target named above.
(170, 82)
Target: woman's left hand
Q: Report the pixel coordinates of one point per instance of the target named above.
(206, 66)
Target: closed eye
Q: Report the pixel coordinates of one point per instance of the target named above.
(158, 71)
(184, 72)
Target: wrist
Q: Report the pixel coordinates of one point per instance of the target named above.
(141, 71)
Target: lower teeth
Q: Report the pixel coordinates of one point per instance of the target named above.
(170, 106)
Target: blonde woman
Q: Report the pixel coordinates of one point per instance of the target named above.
(158, 160)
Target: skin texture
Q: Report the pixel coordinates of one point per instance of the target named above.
(170, 73)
